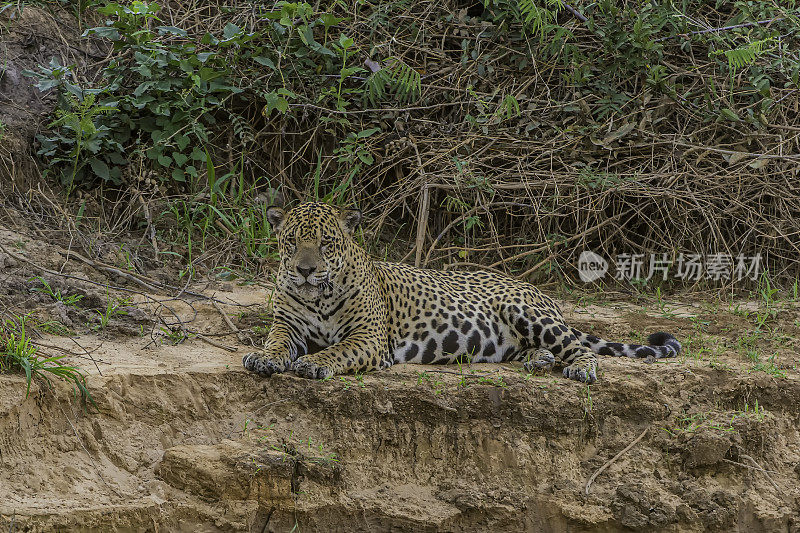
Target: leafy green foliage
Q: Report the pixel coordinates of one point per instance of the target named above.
(486, 93)
(536, 17)
(354, 155)
(56, 295)
(18, 354)
(82, 143)
(167, 97)
(398, 78)
(744, 55)
(114, 306)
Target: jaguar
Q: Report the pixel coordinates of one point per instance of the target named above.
(336, 310)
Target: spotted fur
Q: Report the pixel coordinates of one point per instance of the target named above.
(337, 311)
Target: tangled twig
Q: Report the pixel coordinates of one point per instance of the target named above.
(614, 459)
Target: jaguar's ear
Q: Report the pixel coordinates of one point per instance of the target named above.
(350, 219)
(276, 217)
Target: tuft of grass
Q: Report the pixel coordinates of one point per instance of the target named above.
(54, 327)
(260, 330)
(770, 366)
(19, 355)
(460, 362)
(767, 293)
(589, 403)
(360, 379)
(294, 449)
(691, 423)
(494, 382)
(436, 384)
(71, 300)
(662, 305)
(228, 215)
(173, 336)
(754, 412)
(114, 306)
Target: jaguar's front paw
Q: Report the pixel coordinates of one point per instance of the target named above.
(263, 365)
(310, 367)
(584, 371)
(542, 362)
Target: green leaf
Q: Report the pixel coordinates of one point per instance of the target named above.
(142, 101)
(267, 62)
(209, 39)
(182, 141)
(349, 71)
(729, 114)
(230, 30)
(177, 175)
(117, 158)
(275, 102)
(366, 133)
(207, 74)
(198, 154)
(282, 105)
(329, 20)
(180, 158)
(345, 41)
(103, 31)
(366, 157)
(100, 168)
(211, 174)
(306, 34)
(164, 160)
(173, 30)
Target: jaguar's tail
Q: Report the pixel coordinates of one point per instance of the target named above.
(659, 345)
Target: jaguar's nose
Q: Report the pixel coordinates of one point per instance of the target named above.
(306, 271)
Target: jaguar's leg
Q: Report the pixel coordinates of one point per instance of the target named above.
(539, 361)
(278, 353)
(581, 364)
(552, 334)
(356, 353)
(548, 336)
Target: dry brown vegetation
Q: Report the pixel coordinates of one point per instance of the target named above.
(640, 130)
(500, 137)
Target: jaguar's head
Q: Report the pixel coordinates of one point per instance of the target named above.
(314, 241)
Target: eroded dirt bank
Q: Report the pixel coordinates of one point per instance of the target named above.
(184, 440)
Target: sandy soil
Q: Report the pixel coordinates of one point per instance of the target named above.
(183, 439)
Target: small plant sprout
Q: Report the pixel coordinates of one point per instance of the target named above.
(114, 306)
(71, 300)
(18, 354)
(662, 305)
(767, 293)
(753, 411)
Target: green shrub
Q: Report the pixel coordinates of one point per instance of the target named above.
(18, 354)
